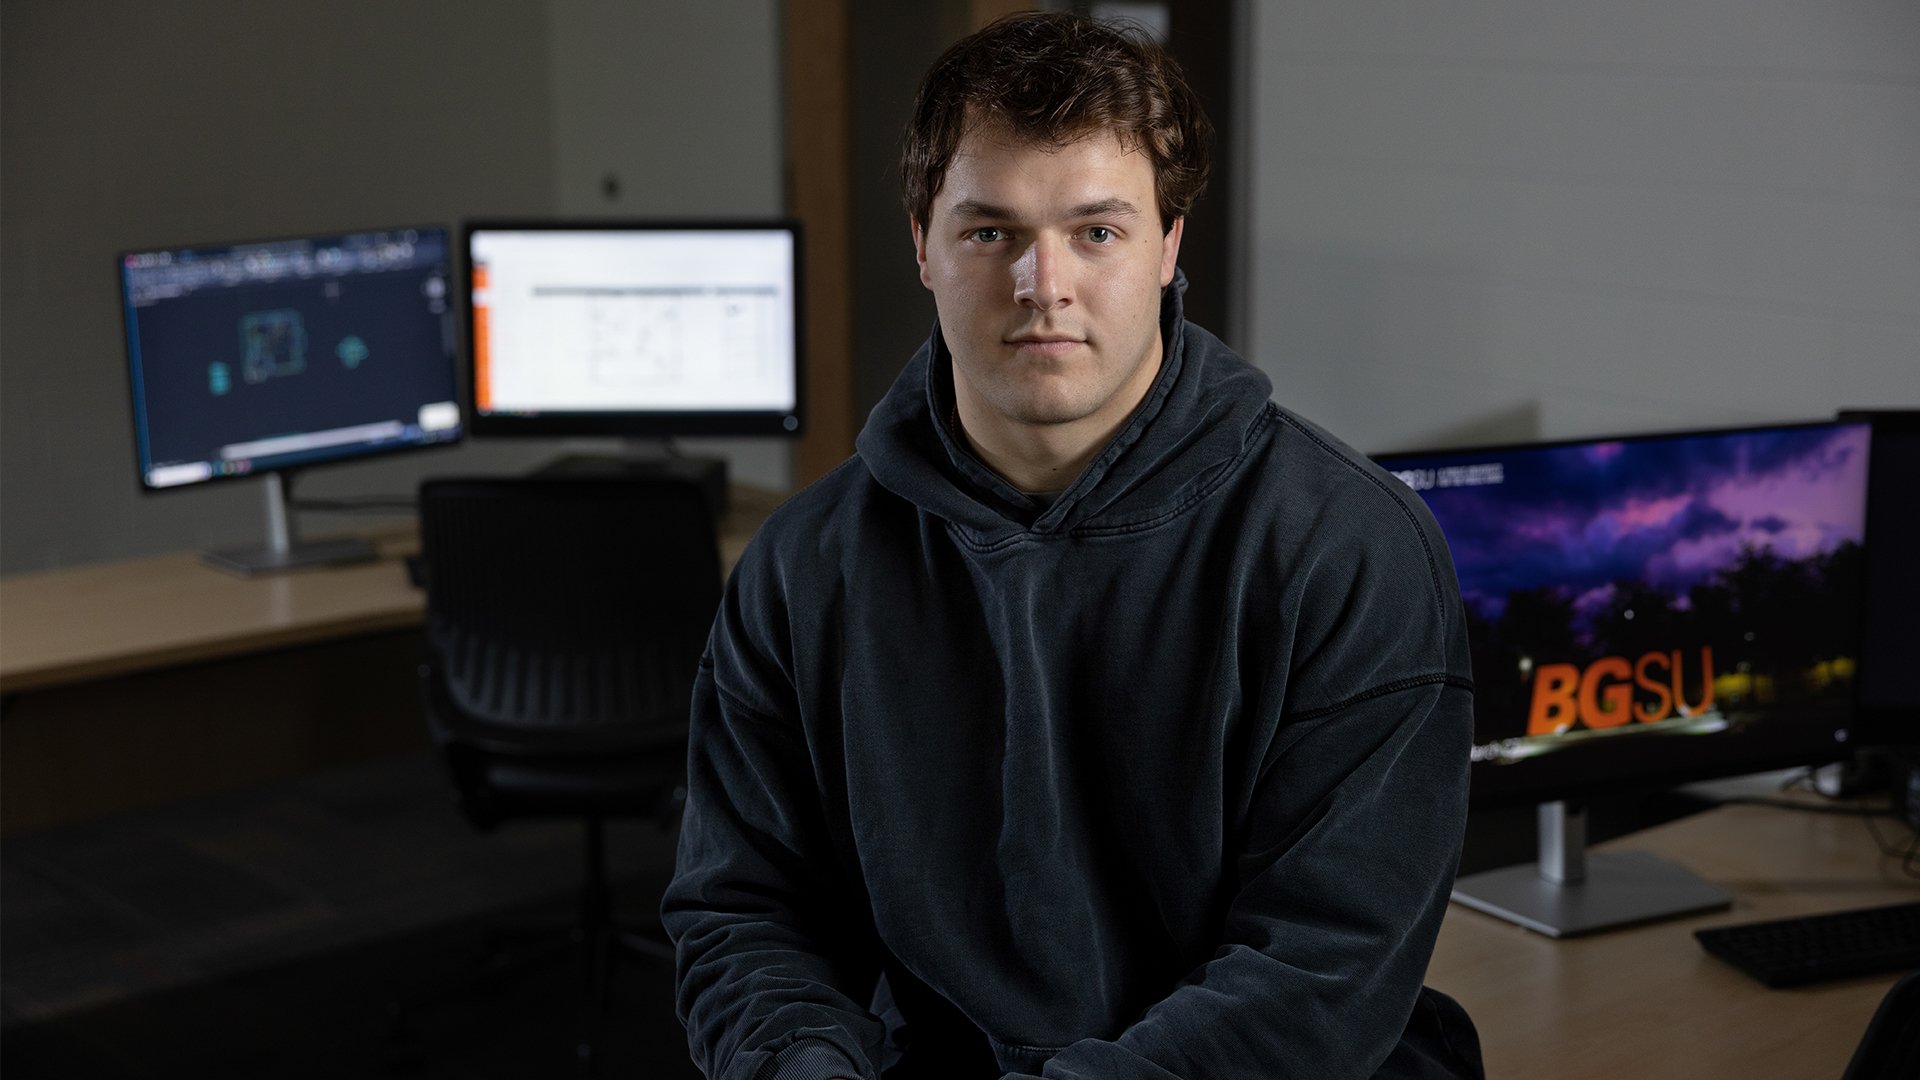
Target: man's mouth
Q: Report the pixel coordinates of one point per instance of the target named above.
(1045, 344)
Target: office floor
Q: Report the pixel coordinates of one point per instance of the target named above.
(270, 932)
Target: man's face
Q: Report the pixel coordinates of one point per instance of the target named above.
(1046, 265)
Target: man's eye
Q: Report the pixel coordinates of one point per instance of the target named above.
(987, 234)
(1100, 234)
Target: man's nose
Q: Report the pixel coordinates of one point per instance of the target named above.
(1039, 275)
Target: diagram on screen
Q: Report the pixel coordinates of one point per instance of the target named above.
(272, 344)
(351, 351)
(668, 337)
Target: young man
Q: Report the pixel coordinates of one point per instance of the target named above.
(1100, 718)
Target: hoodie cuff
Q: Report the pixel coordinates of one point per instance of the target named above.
(812, 1059)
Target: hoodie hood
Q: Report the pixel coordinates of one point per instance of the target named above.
(1199, 418)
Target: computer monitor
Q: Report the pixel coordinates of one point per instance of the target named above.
(1644, 611)
(634, 329)
(1888, 693)
(257, 359)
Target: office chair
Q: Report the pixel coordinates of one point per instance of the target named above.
(1890, 1049)
(565, 623)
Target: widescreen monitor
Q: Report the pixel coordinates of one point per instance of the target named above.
(260, 358)
(1655, 609)
(1889, 694)
(646, 330)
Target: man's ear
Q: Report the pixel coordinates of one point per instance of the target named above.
(919, 248)
(1170, 250)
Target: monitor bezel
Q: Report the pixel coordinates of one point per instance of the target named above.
(1881, 725)
(136, 403)
(1627, 768)
(635, 423)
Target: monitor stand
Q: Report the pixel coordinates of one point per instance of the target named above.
(284, 550)
(1571, 891)
(648, 457)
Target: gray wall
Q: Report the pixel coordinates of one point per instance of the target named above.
(132, 124)
(680, 104)
(1496, 219)
(1464, 222)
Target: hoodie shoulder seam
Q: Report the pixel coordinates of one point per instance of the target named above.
(1383, 690)
(747, 710)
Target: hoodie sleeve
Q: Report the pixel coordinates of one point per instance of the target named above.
(1350, 840)
(773, 965)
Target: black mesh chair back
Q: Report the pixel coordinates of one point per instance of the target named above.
(565, 623)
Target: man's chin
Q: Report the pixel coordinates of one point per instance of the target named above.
(1048, 412)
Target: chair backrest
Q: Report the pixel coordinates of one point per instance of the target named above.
(566, 607)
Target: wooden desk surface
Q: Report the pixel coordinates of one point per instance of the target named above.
(1648, 1001)
(92, 622)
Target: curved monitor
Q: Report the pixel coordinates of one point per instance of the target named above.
(263, 357)
(634, 329)
(1655, 609)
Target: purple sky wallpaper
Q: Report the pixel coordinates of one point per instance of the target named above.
(1670, 511)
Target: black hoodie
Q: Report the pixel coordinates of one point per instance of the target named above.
(1163, 778)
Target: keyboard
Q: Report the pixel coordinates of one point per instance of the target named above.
(1821, 948)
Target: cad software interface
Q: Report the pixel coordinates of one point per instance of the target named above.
(276, 354)
(633, 321)
(1625, 590)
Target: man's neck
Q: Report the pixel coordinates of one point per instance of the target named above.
(1033, 459)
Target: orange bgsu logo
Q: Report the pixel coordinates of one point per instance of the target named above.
(1603, 695)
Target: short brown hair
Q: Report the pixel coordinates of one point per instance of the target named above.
(1055, 78)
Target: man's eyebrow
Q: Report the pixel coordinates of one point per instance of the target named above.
(974, 209)
(1107, 208)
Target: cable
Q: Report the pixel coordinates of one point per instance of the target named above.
(1909, 858)
(1909, 854)
(1803, 781)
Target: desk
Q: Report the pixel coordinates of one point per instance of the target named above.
(137, 682)
(1648, 1001)
(98, 621)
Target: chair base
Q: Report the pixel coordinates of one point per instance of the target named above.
(519, 951)
(595, 943)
